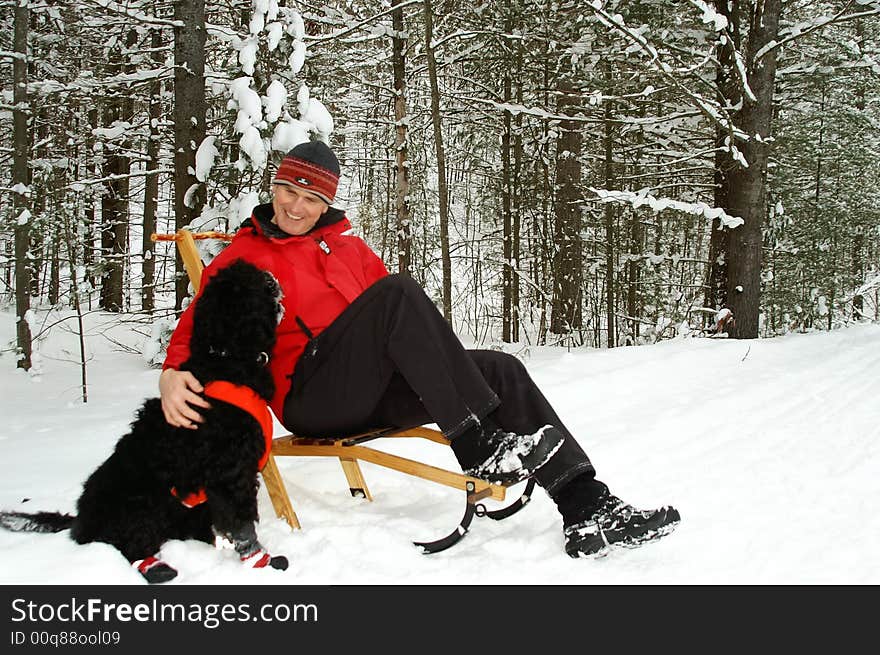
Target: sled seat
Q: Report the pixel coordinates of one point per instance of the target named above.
(350, 449)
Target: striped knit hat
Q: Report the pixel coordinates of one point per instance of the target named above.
(311, 166)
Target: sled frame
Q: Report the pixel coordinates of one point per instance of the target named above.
(349, 449)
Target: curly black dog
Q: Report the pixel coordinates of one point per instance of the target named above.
(135, 499)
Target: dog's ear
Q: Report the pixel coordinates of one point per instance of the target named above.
(273, 289)
(237, 311)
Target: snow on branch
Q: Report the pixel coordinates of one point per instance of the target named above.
(719, 21)
(643, 198)
(135, 14)
(13, 55)
(80, 185)
(711, 109)
(870, 285)
(356, 26)
(743, 76)
(800, 29)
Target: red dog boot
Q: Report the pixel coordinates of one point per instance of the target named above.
(260, 559)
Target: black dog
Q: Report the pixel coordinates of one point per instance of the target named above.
(134, 499)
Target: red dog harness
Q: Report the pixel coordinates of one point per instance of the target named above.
(244, 398)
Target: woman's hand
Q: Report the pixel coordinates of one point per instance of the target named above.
(179, 391)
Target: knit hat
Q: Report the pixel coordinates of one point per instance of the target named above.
(311, 166)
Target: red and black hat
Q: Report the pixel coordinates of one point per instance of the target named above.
(311, 166)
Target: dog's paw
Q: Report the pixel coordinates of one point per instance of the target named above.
(154, 570)
(278, 562)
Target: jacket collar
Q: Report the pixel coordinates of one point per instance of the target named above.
(333, 221)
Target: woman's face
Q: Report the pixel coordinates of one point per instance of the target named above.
(296, 210)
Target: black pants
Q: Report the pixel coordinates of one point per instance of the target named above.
(391, 360)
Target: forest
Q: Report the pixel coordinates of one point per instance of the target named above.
(552, 172)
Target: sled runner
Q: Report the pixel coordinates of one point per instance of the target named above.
(349, 449)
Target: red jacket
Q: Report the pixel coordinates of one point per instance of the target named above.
(318, 282)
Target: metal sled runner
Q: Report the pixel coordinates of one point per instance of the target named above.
(350, 450)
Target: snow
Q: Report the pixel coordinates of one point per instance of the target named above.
(313, 112)
(250, 114)
(276, 96)
(643, 198)
(288, 134)
(252, 143)
(241, 206)
(189, 195)
(205, 156)
(718, 21)
(117, 129)
(248, 101)
(297, 57)
(257, 21)
(302, 99)
(769, 448)
(295, 25)
(247, 54)
(274, 32)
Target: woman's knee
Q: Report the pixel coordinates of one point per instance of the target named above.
(498, 364)
(398, 281)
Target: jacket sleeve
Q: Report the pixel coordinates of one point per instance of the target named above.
(178, 347)
(374, 267)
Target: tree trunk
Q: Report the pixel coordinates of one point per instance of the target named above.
(114, 201)
(610, 255)
(516, 194)
(91, 227)
(567, 265)
(507, 218)
(39, 139)
(440, 152)
(189, 121)
(151, 181)
(21, 175)
(633, 270)
(727, 91)
(55, 263)
(748, 184)
(404, 234)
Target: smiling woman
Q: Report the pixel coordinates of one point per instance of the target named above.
(304, 187)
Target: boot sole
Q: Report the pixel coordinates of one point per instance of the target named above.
(160, 574)
(599, 543)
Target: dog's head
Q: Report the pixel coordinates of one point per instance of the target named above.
(236, 315)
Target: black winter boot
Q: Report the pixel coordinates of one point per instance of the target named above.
(610, 521)
(489, 453)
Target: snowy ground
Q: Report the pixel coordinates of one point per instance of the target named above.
(770, 449)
